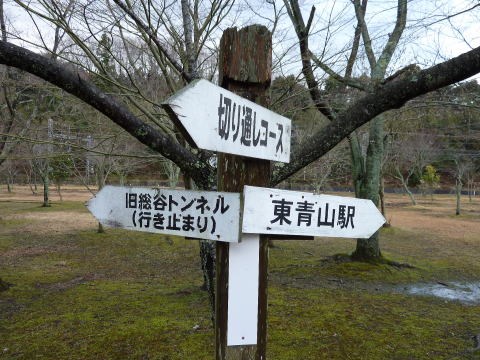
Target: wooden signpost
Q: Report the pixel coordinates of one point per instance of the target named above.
(245, 68)
(224, 120)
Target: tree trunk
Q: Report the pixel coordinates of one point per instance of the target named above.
(35, 182)
(100, 184)
(59, 191)
(245, 68)
(32, 189)
(381, 194)
(458, 193)
(405, 186)
(207, 259)
(470, 189)
(410, 194)
(31, 185)
(369, 188)
(358, 163)
(46, 185)
(367, 249)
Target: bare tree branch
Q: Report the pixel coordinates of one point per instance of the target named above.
(360, 10)
(391, 95)
(70, 81)
(152, 36)
(295, 15)
(392, 41)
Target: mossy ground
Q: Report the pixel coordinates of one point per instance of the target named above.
(78, 294)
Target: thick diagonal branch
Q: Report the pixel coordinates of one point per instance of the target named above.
(72, 82)
(392, 95)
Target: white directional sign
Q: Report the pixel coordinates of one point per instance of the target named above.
(198, 214)
(216, 119)
(272, 211)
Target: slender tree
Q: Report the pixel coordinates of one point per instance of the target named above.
(366, 166)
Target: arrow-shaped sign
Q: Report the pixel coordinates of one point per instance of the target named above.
(198, 214)
(273, 211)
(216, 119)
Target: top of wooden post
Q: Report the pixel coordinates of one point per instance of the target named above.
(246, 55)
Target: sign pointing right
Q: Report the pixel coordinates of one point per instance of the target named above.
(283, 212)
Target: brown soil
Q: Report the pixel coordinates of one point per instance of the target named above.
(69, 193)
(437, 215)
(60, 221)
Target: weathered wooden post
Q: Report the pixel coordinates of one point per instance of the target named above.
(245, 68)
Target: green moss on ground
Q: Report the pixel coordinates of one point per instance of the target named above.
(130, 295)
(111, 320)
(354, 324)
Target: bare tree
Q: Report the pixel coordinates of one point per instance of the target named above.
(407, 155)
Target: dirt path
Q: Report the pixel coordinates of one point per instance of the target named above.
(63, 220)
(447, 226)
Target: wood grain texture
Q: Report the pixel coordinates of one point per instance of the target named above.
(245, 68)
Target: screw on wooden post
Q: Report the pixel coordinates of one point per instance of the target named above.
(245, 68)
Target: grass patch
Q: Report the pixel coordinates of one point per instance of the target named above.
(78, 294)
(59, 206)
(112, 320)
(353, 324)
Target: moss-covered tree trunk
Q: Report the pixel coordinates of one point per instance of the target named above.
(367, 171)
(381, 193)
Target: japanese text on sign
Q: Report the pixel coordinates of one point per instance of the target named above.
(216, 119)
(305, 213)
(170, 212)
(283, 212)
(239, 123)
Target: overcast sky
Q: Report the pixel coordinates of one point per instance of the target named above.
(432, 34)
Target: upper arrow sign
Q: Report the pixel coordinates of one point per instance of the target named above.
(199, 214)
(272, 211)
(216, 119)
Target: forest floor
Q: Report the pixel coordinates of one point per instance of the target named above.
(77, 294)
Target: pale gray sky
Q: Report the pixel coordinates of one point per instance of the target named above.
(430, 37)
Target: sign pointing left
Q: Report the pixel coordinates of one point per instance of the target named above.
(198, 214)
(213, 118)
